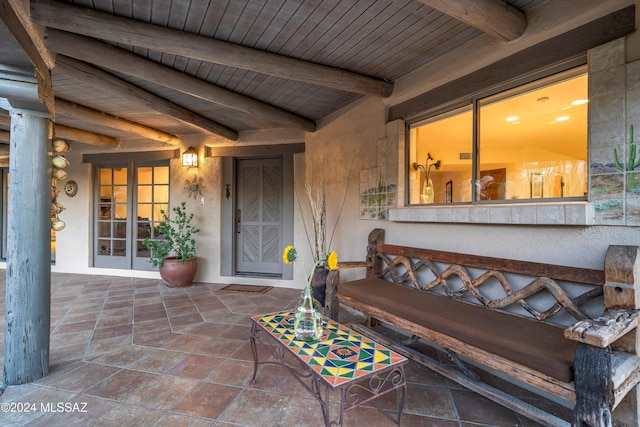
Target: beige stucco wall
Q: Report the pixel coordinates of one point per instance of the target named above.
(336, 153)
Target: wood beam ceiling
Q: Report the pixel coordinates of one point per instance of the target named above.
(493, 17)
(82, 113)
(104, 26)
(90, 75)
(91, 138)
(104, 55)
(68, 133)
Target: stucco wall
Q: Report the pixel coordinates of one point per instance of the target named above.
(583, 246)
(335, 156)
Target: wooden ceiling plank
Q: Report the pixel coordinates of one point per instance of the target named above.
(80, 112)
(79, 135)
(90, 75)
(494, 17)
(104, 55)
(4, 136)
(135, 33)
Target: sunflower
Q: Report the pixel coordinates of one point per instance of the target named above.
(289, 254)
(332, 260)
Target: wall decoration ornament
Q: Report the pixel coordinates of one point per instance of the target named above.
(71, 188)
(59, 162)
(376, 195)
(194, 186)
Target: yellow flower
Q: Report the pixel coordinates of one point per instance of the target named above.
(332, 260)
(289, 254)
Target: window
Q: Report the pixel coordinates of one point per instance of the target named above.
(525, 144)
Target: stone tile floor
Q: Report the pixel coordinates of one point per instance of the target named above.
(132, 352)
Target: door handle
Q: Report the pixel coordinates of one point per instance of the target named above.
(238, 220)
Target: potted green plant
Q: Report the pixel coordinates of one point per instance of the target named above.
(173, 247)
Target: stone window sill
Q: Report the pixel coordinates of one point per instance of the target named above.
(575, 213)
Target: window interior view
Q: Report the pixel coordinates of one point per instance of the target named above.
(531, 143)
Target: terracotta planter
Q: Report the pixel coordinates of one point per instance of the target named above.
(176, 275)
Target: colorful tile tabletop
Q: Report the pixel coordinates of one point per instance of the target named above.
(339, 356)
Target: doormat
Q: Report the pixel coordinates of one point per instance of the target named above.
(247, 288)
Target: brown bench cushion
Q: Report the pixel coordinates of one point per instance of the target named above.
(532, 343)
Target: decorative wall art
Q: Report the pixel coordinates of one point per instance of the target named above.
(376, 195)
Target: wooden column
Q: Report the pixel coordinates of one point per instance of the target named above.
(27, 322)
(622, 290)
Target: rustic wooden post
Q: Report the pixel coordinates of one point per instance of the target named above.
(622, 289)
(376, 237)
(27, 321)
(372, 264)
(331, 304)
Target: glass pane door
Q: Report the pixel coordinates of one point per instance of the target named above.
(112, 246)
(152, 197)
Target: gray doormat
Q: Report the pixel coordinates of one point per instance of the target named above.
(247, 288)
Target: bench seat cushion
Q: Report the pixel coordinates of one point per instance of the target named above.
(537, 345)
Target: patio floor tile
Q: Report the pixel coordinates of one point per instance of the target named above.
(136, 353)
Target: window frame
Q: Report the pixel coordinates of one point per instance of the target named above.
(557, 73)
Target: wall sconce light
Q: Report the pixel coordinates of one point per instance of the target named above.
(190, 158)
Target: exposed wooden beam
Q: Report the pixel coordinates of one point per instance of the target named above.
(79, 135)
(104, 55)
(87, 114)
(494, 17)
(90, 75)
(64, 16)
(15, 15)
(73, 134)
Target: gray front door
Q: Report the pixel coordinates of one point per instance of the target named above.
(259, 216)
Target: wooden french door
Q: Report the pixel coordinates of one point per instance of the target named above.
(258, 217)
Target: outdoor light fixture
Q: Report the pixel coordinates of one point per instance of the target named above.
(190, 158)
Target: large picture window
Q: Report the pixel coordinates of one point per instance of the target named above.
(524, 144)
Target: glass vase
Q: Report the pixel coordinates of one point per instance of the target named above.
(427, 192)
(307, 318)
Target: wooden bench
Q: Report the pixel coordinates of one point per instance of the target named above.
(569, 333)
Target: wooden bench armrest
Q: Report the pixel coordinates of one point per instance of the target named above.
(353, 264)
(604, 330)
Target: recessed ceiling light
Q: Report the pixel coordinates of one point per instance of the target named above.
(512, 118)
(562, 118)
(579, 101)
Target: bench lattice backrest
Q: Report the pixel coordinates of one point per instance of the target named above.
(402, 265)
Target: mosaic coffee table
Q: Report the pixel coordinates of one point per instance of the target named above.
(341, 359)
